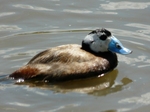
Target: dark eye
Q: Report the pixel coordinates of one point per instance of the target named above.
(118, 46)
(92, 41)
(103, 37)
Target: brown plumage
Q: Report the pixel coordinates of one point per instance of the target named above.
(66, 62)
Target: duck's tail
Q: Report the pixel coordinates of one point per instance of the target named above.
(25, 72)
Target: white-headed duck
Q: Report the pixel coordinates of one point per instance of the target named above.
(96, 56)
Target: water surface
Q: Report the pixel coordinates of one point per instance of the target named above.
(28, 27)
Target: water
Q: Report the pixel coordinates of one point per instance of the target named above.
(28, 27)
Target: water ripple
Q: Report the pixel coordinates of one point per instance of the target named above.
(19, 104)
(103, 12)
(9, 50)
(6, 14)
(32, 7)
(143, 99)
(125, 5)
(77, 11)
(132, 34)
(144, 29)
(9, 28)
(142, 59)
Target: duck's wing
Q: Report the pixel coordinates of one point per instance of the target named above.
(64, 54)
(59, 71)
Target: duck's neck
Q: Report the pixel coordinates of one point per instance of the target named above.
(110, 56)
(86, 47)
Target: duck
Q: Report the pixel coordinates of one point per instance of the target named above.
(95, 56)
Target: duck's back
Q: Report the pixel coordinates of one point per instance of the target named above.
(66, 62)
(62, 54)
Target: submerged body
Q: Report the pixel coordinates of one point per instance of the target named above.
(72, 61)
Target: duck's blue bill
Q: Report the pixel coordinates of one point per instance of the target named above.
(116, 46)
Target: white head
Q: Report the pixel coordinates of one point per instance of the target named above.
(101, 40)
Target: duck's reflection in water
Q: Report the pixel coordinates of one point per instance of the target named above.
(97, 86)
